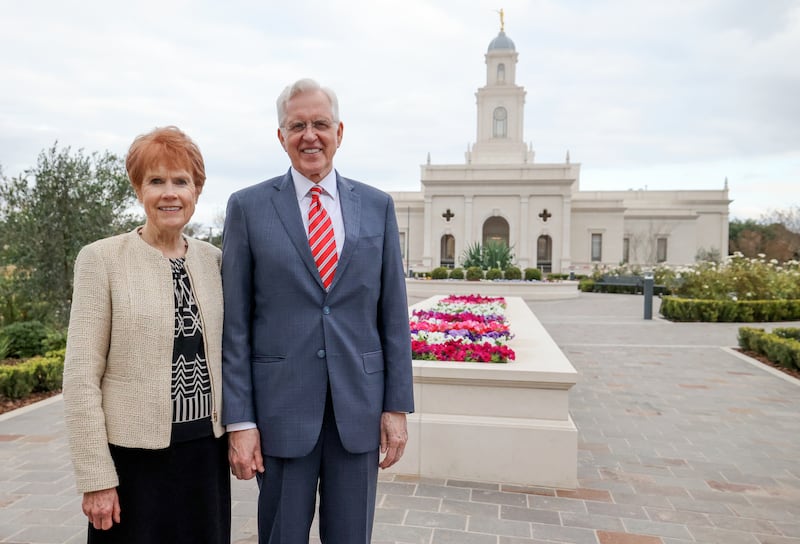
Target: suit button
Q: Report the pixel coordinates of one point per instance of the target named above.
(326, 310)
(321, 354)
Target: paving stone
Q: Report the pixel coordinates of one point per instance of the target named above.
(445, 536)
(499, 527)
(529, 514)
(497, 497)
(438, 491)
(591, 521)
(436, 519)
(471, 508)
(607, 537)
(655, 528)
(573, 535)
(716, 463)
(400, 533)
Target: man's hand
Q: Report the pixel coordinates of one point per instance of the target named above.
(244, 453)
(394, 435)
(102, 508)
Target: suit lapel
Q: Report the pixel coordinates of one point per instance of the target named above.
(350, 202)
(288, 210)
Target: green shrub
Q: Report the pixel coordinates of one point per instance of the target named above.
(439, 273)
(26, 338)
(533, 274)
(5, 346)
(49, 372)
(586, 285)
(553, 276)
(513, 273)
(786, 332)
(784, 351)
(494, 274)
(16, 381)
(457, 274)
(749, 337)
(35, 374)
(744, 311)
(474, 273)
(55, 340)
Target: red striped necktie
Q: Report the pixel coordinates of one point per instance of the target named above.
(321, 239)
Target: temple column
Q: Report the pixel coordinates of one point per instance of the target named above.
(427, 261)
(566, 235)
(468, 240)
(523, 256)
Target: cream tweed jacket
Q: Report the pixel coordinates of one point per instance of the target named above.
(118, 366)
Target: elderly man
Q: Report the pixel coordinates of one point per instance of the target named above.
(316, 352)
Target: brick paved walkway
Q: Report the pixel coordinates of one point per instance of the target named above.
(681, 440)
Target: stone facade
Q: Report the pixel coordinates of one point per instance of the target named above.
(501, 193)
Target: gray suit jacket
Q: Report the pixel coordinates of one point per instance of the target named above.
(286, 340)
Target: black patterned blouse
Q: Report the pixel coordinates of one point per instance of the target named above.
(191, 383)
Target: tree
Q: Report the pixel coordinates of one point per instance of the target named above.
(788, 217)
(773, 240)
(52, 210)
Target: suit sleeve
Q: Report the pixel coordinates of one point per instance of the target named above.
(393, 322)
(237, 289)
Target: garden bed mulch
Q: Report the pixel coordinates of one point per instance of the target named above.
(6, 405)
(763, 360)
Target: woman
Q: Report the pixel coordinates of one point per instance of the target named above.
(142, 375)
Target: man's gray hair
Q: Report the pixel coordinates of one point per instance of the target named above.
(302, 86)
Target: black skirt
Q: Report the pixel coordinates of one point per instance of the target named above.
(178, 495)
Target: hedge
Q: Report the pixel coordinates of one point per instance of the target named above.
(474, 273)
(783, 350)
(743, 311)
(35, 374)
(533, 274)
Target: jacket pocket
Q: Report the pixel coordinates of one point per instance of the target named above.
(259, 359)
(373, 361)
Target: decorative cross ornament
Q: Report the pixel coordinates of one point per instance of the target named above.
(448, 215)
(545, 215)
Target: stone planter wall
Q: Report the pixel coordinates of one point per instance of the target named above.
(496, 422)
(419, 290)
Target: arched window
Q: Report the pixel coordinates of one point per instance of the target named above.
(501, 73)
(495, 229)
(448, 251)
(500, 123)
(544, 253)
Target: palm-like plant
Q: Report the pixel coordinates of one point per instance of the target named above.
(497, 255)
(472, 256)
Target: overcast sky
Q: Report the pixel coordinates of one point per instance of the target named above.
(643, 94)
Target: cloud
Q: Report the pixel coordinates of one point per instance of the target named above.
(660, 94)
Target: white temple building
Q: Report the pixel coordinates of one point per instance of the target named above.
(538, 209)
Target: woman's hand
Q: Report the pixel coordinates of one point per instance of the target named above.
(102, 508)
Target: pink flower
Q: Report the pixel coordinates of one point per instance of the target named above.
(473, 327)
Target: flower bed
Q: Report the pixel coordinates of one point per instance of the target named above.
(468, 328)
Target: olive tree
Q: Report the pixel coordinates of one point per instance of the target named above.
(48, 213)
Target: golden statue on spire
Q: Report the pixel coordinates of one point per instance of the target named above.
(502, 21)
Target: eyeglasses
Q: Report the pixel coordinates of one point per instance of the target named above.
(299, 127)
